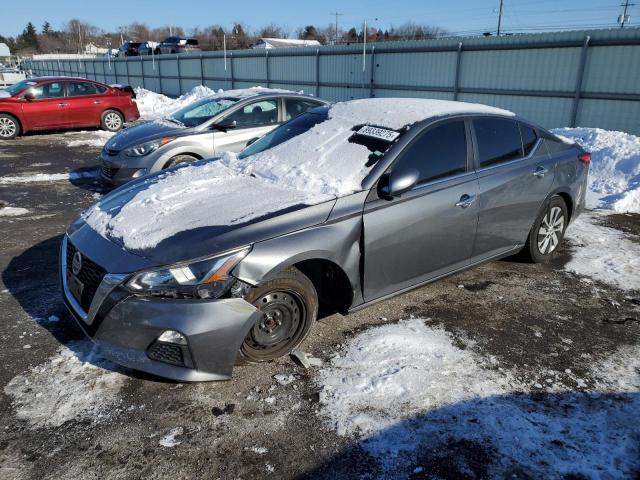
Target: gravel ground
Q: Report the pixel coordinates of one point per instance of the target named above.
(66, 413)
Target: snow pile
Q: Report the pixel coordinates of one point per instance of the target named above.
(152, 105)
(74, 384)
(603, 253)
(395, 371)
(614, 174)
(93, 139)
(12, 211)
(419, 402)
(313, 167)
(46, 177)
(169, 440)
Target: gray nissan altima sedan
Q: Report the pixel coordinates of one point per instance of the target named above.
(225, 121)
(189, 271)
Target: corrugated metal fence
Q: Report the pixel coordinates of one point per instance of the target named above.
(580, 78)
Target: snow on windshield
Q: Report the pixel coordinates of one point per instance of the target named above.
(315, 166)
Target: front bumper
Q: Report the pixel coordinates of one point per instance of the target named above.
(118, 169)
(126, 328)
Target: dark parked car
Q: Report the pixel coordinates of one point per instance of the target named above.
(129, 49)
(45, 103)
(187, 271)
(178, 45)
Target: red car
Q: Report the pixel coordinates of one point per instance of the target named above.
(47, 103)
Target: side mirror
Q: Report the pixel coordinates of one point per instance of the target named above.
(252, 141)
(398, 182)
(29, 96)
(225, 125)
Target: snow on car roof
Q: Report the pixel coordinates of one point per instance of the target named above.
(315, 166)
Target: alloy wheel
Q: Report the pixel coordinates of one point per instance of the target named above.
(551, 230)
(8, 127)
(112, 121)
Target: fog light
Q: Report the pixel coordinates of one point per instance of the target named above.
(171, 336)
(139, 173)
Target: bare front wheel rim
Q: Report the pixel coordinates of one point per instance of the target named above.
(112, 121)
(8, 127)
(551, 230)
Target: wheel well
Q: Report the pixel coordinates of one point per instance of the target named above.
(112, 108)
(568, 201)
(194, 155)
(335, 293)
(17, 120)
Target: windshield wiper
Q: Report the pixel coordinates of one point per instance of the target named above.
(174, 120)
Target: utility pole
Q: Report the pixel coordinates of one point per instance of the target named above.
(337, 14)
(500, 17)
(624, 18)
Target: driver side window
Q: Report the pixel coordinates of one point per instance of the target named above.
(439, 152)
(256, 114)
(48, 90)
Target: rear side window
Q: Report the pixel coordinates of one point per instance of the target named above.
(529, 138)
(439, 152)
(76, 89)
(498, 140)
(296, 106)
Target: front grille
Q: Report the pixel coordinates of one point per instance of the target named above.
(111, 152)
(167, 353)
(91, 274)
(109, 172)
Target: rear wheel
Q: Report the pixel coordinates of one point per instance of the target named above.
(111, 121)
(179, 160)
(548, 230)
(9, 126)
(289, 306)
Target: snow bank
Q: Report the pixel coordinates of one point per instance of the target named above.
(614, 174)
(417, 400)
(12, 211)
(74, 384)
(154, 105)
(313, 167)
(603, 253)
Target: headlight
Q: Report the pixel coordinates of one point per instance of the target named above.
(210, 278)
(146, 148)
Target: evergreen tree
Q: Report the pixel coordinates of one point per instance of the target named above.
(46, 28)
(29, 37)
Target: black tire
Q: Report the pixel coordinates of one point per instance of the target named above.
(543, 241)
(289, 303)
(9, 126)
(179, 160)
(111, 120)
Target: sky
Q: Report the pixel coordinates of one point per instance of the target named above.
(456, 16)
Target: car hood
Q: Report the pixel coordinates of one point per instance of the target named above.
(146, 132)
(191, 243)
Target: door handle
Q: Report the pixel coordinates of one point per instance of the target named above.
(98, 102)
(540, 171)
(466, 201)
(62, 104)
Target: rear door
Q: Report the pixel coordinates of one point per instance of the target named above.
(50, 108)
(429, 230)
(515, 176)
(252, 120)
(85, 103)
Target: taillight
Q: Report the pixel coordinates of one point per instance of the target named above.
(585, 157)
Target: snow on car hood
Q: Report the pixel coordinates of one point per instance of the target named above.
(313, 167)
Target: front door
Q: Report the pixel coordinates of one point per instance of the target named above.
(428, 231)
(252, 121)
(49, 108)
(515, 177)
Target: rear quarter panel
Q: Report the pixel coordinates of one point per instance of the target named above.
(571, 176)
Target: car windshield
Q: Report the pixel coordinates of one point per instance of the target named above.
(281, 134)
(199, 112)
(13, 90)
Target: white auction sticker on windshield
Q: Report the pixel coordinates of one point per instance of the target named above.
(381, 133)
